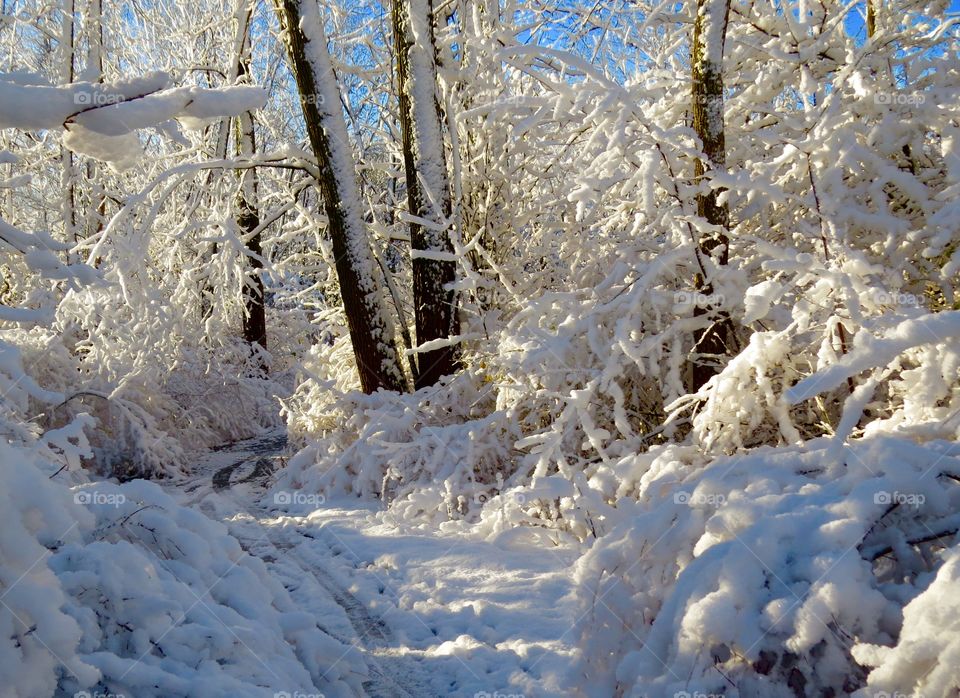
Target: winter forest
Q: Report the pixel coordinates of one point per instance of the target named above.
(483, 348)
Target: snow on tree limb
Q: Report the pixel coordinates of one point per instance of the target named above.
(101, 119)
(870, 351)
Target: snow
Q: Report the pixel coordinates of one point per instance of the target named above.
(427, 135)
(869, 351)
(925, 660)
(713, 14)
(689, 593)
(118, 589)
(38, 636)
(182, 514)
(325, 94)
(429, 613)
(472, 616)
(99, 118)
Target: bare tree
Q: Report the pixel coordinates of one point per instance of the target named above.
(370, 327)
(709, 34)
(428, 187)
(67, 75)
(248, 220)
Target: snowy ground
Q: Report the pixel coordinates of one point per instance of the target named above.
(431, 614)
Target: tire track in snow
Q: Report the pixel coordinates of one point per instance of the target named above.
(371, 634)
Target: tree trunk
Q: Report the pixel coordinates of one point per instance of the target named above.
(370, 327)
(243, 14)
(93, 72)
(428, 188)
(248, 220)
(67, 172)
(709, 33)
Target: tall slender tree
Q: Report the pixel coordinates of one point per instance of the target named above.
(371, 330)
(248, 220)
(428, 187)
(93, 72)
(236, 69)
(709, 36)
(67, 75)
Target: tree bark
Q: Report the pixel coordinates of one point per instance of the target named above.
(248, 220)
(709, 33)
(370, 328)
(68, 173)
(93, 72)
(428, 187)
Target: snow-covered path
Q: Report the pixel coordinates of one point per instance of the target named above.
(431, 614)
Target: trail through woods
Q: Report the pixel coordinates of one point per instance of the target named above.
(432, 614)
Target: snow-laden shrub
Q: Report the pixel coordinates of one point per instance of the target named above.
(167, 379)
(39, 639)
(434, 454)
(764, 573)
(925, 659)
(149, 340)
(149, 412)
(763, 534)
(117, 589)
(841, 185)
(169, 604)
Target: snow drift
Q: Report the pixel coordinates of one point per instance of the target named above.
(117, 589)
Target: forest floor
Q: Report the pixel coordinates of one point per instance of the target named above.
(433, 613)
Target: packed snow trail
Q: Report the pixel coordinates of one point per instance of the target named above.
(432, 614)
